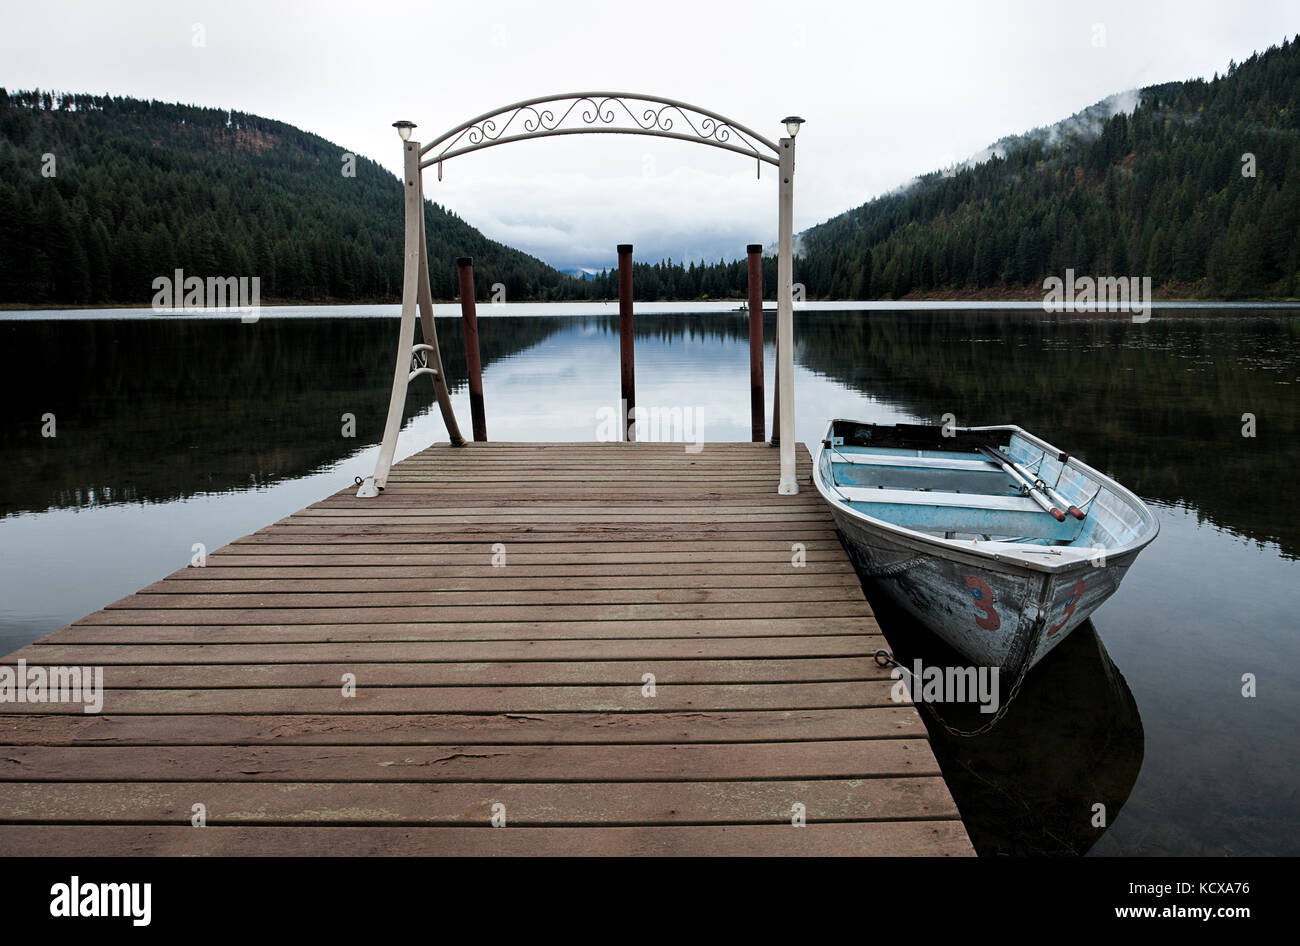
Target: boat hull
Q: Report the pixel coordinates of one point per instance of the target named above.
(990, 610)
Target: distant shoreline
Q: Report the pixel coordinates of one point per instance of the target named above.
(450, 310)
(911, 300)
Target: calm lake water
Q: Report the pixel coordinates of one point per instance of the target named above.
(176, 431)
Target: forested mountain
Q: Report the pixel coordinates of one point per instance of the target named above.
(1159, 192)
(140, 189)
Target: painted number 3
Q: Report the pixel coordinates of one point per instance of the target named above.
(1070, 605)
(983, 595)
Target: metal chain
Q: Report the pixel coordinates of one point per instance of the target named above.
(884, 658)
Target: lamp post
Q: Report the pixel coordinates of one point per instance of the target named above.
(789, 483)
(412, 360)
(371, 486)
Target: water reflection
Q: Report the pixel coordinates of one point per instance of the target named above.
(1070, 741)
(151, 411)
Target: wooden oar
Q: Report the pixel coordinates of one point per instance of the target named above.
(1034, 493)
(1070, 507)
(1021, 473)
(1038, 481)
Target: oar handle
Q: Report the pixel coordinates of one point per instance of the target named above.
(1070, 507)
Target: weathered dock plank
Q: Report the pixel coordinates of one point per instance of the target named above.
(499, 608)
(850, 839)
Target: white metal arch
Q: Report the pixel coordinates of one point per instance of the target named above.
(585, 113)
(573, 113)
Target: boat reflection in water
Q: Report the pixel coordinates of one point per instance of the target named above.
(1072, 740)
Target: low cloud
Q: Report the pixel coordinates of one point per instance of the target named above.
(574, 221)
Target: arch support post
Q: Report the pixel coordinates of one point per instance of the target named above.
(626, 342)
(757, 421)
(789, 483)
(412, 360)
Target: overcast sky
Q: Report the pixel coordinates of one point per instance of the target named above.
(889, 90)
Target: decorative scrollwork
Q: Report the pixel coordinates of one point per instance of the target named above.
(608, 112)
(419, 359)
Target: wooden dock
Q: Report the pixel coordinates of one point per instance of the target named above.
(520, 683)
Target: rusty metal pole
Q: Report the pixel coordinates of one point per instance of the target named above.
(469, 319)
(758, 426)
(627, 369)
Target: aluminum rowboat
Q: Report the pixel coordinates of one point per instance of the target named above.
(994, 539)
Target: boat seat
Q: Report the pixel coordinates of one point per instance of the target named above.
(914, 462)
(941, 513)
(930, 497)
